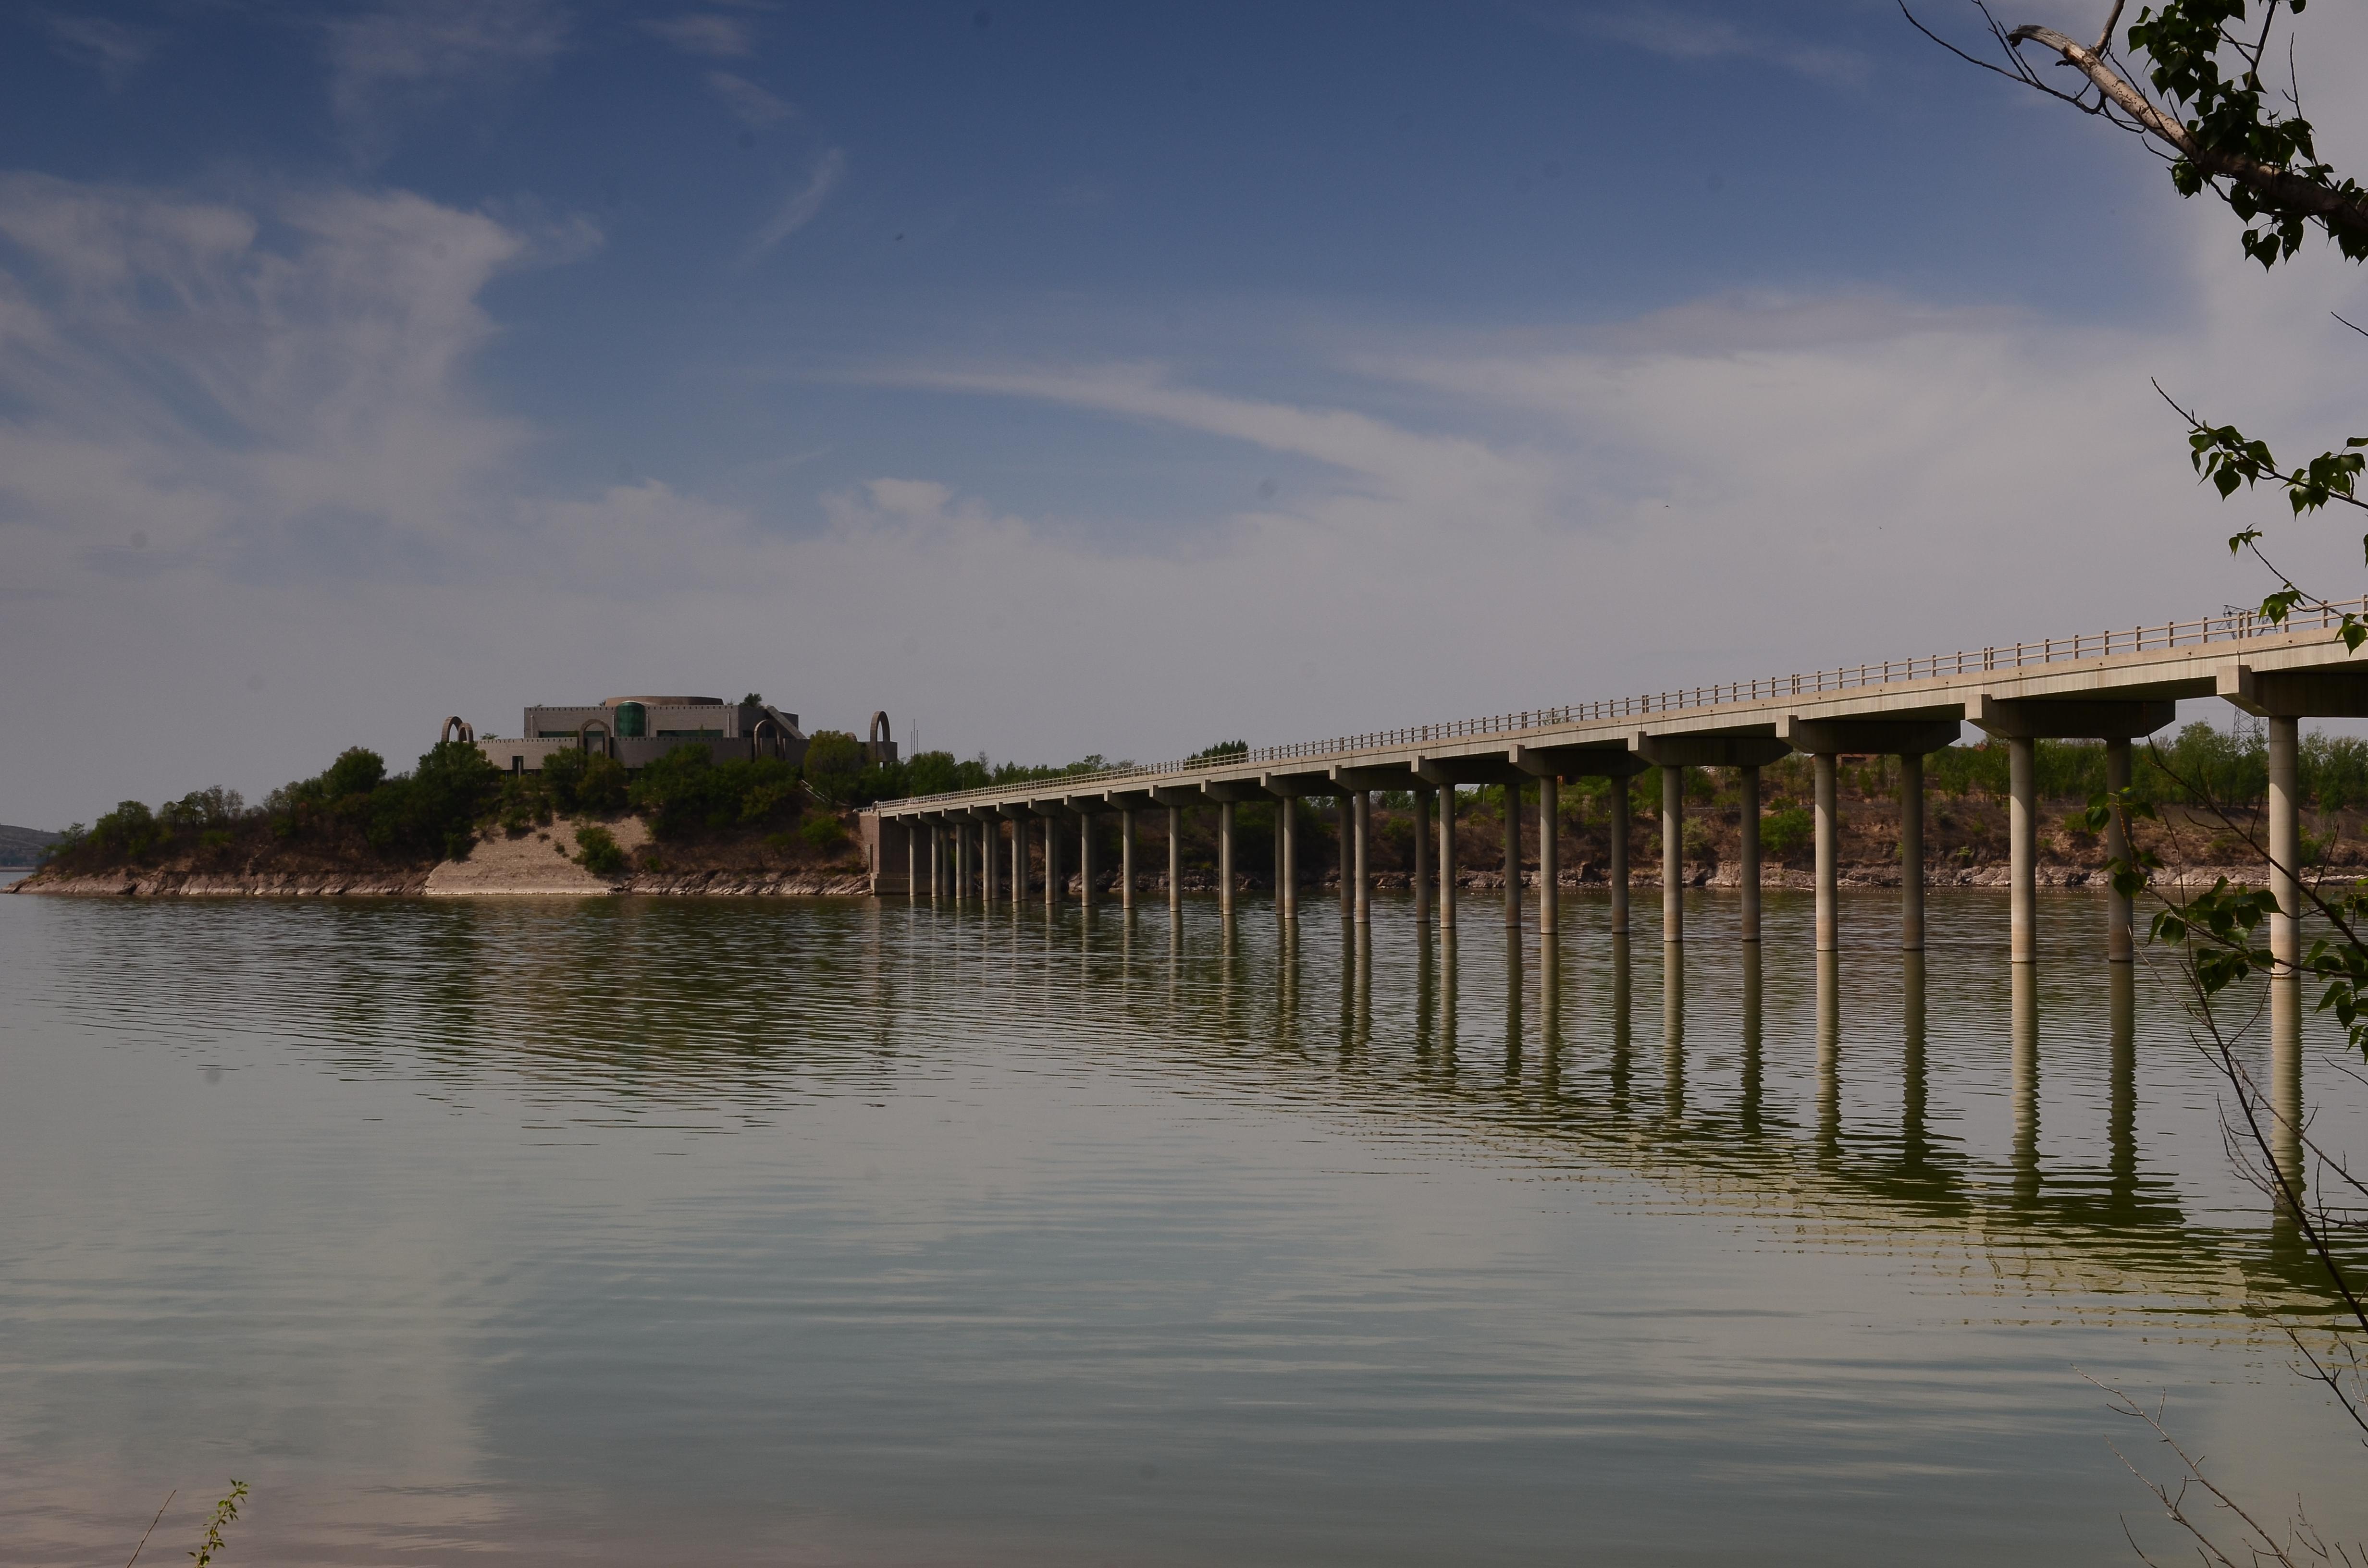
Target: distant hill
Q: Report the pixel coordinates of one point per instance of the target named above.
(23, 846)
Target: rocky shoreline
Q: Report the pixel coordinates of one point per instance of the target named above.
(471, 878)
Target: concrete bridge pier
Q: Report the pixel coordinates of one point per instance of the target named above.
(2021, 723)
(1085, 893)
(1673, 852)
(1447, 861)
(1512, 855)
(1673, 755)
(1422, 858)
(1362, 816)
(912, 865)
(1051, 864)
(1828, 823)
(937, 858)
(2285, 697)
(990, 833)
(1225, 859)
(1911, 853)
(1175, 799)
(1345, 832)
(1286, 887)
(1748, 786)
(1549, 855)
(1617, 798)
(2286, 841)
(1126, 861)
(2119, 946)
(2022, 848)
(1018, 860)
(1910, 738)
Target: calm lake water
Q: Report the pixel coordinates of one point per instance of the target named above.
(841, 1232)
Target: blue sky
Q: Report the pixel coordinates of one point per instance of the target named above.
(1069, 378)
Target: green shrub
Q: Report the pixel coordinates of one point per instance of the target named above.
(605, 787)
(597, 851)
(686, 791)
(823, 832)
(434, 810)
(1782, 833)
(835, 760)
(356, 771)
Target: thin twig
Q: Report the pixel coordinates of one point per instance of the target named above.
(151, 1528)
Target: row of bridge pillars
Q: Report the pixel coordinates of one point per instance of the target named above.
(961, 859)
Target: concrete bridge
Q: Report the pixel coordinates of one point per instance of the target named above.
(2111, 686)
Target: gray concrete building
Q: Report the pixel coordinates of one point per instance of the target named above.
(637, 730)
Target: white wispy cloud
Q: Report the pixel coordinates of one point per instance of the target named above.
(414, 53)
(1685, 35)
(704, 32)
(750, 104)
(115, 50)
(344, 539)
(800, 209)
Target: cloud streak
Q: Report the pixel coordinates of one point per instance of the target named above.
(413, 55)
(1684, 37)
(800, 209)
(707, 33)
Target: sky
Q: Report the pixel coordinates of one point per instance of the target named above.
(1080, 379)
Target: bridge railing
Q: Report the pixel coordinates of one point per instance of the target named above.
(2231, 626)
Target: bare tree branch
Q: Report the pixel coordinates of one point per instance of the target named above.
(2286, 189)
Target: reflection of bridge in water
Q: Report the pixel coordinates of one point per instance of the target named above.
(1601, 1074)
(997, 845)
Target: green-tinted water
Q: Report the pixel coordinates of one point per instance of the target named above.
(838, 1232)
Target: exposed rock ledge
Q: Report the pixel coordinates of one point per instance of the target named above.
(214, 885)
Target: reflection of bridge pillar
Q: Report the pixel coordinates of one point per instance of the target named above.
(1914, 1096)
(1515, 995)
(1830, 1048)
(1828, 854)
(1512, 856)
(1422, 860)
(2022, 847)
(1550, 1010)
(1225, 858)
(1748, 783)
(1360, 814)
(1447, 861)
(1673, 853)
(1126, 861)
(1911, 853)
(2122, 1102)
(2023, 1080)
(1623, 1026)
(2286, 841)
(1616, 798)
(1549, 855)
(1754, 1062)
(1673, 1031)
(2118, 946)
(2286, 1079)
